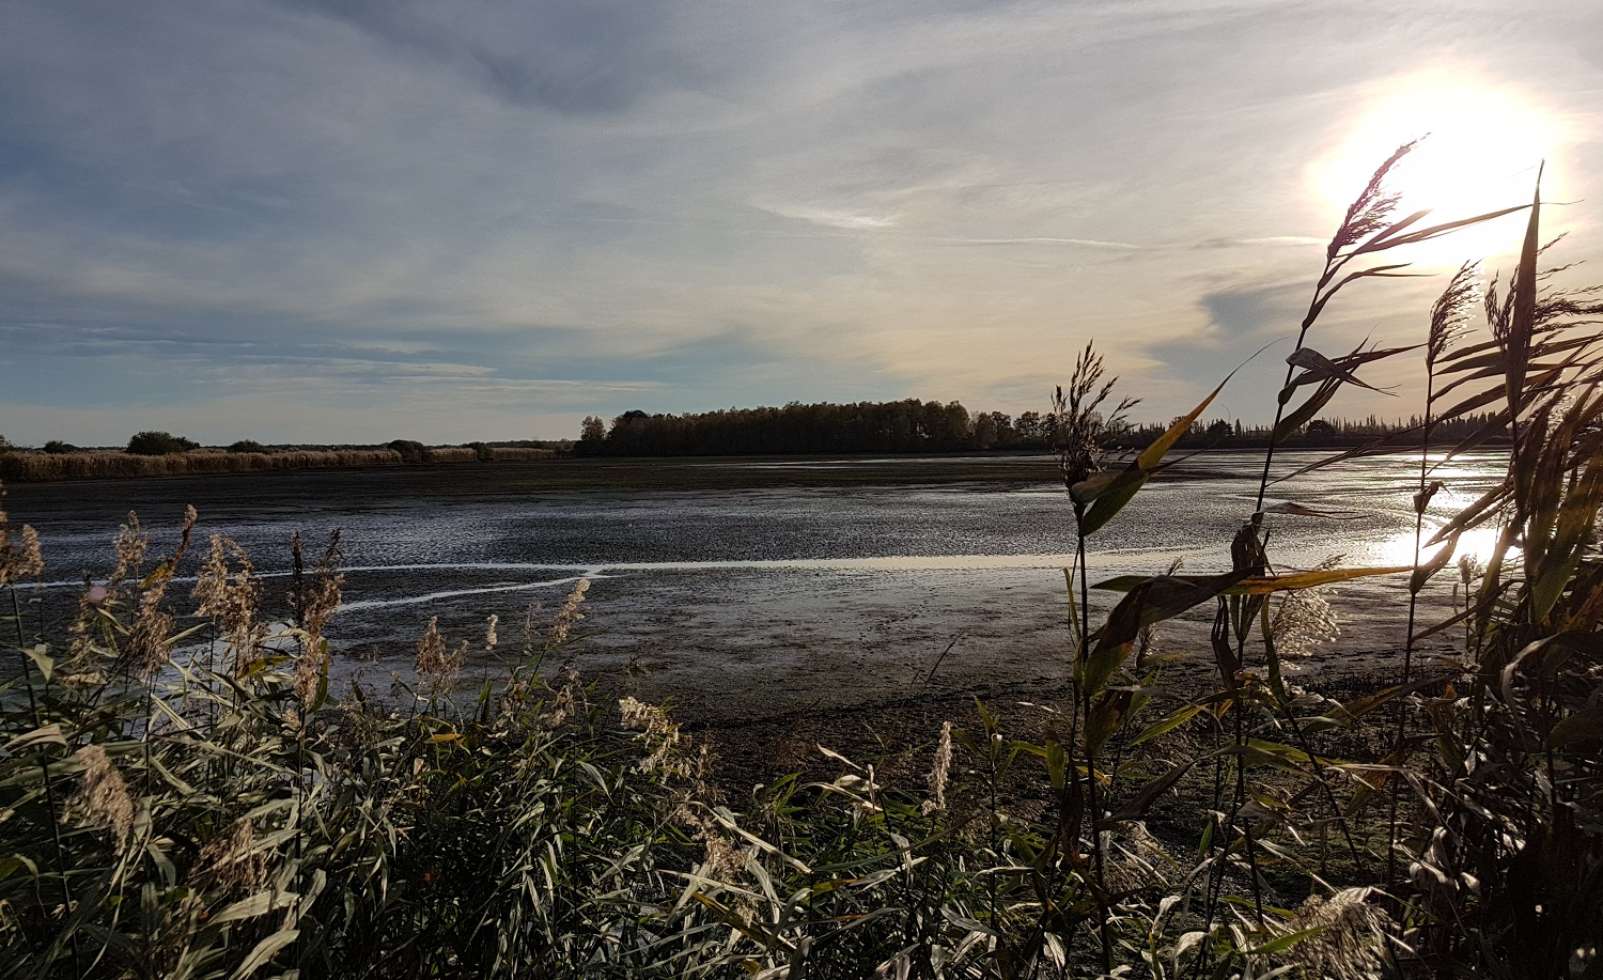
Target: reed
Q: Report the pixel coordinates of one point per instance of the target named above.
(22, 466)
(519, 454)
(35, 467)
(450, 454)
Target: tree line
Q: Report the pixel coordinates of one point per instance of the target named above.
(911, 426)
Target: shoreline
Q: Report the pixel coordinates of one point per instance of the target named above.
(33, 467)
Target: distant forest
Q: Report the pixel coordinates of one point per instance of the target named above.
(913, 426)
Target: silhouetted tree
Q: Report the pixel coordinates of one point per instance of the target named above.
(155, 443)
(911, 425)
(1320, 431)
(593, 430)
(411, 450)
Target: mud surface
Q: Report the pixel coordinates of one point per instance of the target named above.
(777, 602)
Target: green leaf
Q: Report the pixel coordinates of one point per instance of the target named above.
(265, 951)
(1151, 601)
(1283, 943)
(1106, 716)
(1311, 580)
(1319, 368)
(1107, 495)
(260, 903)
(1261, 585)
(1151, 791)
(1169, 724)
(1056, 763)
(44, 735)
(1347, 714)
(1518, 341)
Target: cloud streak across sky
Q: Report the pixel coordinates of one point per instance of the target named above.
(314, 220)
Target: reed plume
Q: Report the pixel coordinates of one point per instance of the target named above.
(317, 605)
(437, 665)
(569, 615)
(22, 558)
(940, 771)
(1080, 425)
(102, 798)
(1347, 935)
(230, 597)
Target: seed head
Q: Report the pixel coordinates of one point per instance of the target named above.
(1080, 428)
(940, 771)
(230, 598)
(22, 559)
(569, 614)
(131, 545)
(1450, 313)
(319, 602)
(660, 734)
(1304, 621)
(1372, 209)
(102, 797)
(231, 861)
(1351, 939)
(435, 663)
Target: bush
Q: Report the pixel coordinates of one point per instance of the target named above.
(246, 446)
(483, 451)
(56, 447)
(154, 443)
(411, 450)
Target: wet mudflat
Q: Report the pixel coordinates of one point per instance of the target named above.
(762, 592)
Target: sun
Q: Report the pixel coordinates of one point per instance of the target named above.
(1481, 147)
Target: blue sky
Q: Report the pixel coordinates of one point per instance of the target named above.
(315, 220)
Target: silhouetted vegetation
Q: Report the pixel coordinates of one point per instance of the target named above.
(59, 461)
(410, 450)
(56, 447)
(154, 443)
(913, 426)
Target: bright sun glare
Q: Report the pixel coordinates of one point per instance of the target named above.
(1482, 151)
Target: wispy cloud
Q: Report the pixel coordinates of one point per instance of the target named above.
(1045, 240)
(831, 218)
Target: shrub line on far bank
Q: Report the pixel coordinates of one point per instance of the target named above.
(33, 467)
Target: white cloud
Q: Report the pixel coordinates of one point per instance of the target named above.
(830, 218)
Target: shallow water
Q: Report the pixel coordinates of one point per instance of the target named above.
(731, 588)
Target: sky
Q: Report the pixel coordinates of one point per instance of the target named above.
(357, 220)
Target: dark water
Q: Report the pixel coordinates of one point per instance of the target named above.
(761, 562)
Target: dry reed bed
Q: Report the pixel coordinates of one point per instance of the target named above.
(450, 454)
(519, 454)
(34, 467)
(29, 467)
